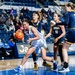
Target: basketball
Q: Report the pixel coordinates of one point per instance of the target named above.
(19, 35)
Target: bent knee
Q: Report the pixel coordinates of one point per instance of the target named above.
(44, 57)
(27, 55)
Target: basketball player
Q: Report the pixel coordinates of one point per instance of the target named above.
(36, 40)
(70, 37)
(36, 22)
(58, 32)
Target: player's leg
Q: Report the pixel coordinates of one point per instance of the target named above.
(65, 54)
(55, 63)
(43, 51)
(3, 52)
(55, 52)
(60, 54)
(65, 57)
(29, 51)
(35, 58)
(48, 58)
(70, 39)
(44, 61)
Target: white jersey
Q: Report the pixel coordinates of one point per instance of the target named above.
(36, 43)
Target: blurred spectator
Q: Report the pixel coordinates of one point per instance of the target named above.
(4, 52)
(13, 19)
(18, 21)
(22, 10)
(17, 26)
(27, 13)
(44, 19)
(3, 11)
(26, 10)
(21, 16)
(11, 27)
(61, 18)
(8, 22)
(12, 45)
(45, 25)
(43, 10)
(21, 27)
(13, 11)
(5, 28)
(12, 22)
(49, 14)
(2, 19)
(49, 11)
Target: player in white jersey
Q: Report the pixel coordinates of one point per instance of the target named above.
(36, 40)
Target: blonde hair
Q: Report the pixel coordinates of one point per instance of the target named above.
(70, 5)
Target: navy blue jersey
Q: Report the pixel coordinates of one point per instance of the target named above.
(37, 25)
(70, 19)
(56, 30)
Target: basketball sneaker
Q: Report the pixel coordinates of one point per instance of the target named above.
(17, 69)
(55, 65)
(46, 64)
(64, 69)
(35, 66)
(61, 66)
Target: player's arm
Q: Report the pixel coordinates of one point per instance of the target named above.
(35, 31)
(63, 31)
(50, 32)
(62, 35)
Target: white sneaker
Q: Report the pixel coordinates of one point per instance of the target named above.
(60, 67)
(64, 70)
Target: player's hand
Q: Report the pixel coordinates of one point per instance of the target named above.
(55, 40)
(44, 37)
(53, 22)
(29, 40)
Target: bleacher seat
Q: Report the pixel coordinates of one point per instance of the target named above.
(46, 4)
(5, 36)
(31, 3)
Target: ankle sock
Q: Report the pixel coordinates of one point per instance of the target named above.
(65, 65)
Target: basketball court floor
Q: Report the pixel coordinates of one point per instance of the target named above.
(7, 66)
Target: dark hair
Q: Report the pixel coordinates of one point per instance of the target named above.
(28, 21)
(57, 14)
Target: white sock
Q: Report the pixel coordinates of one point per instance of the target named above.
(54, 61)
(21, 66)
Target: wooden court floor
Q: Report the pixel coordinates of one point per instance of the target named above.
(7, 66)
(12, 63)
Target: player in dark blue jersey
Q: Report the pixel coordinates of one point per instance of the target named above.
(58, 31)
(36, 22)
(70, 36)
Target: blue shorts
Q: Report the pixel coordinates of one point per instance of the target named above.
(70, 37)
(37, 50)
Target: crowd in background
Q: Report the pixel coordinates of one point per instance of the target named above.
(11, 21)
